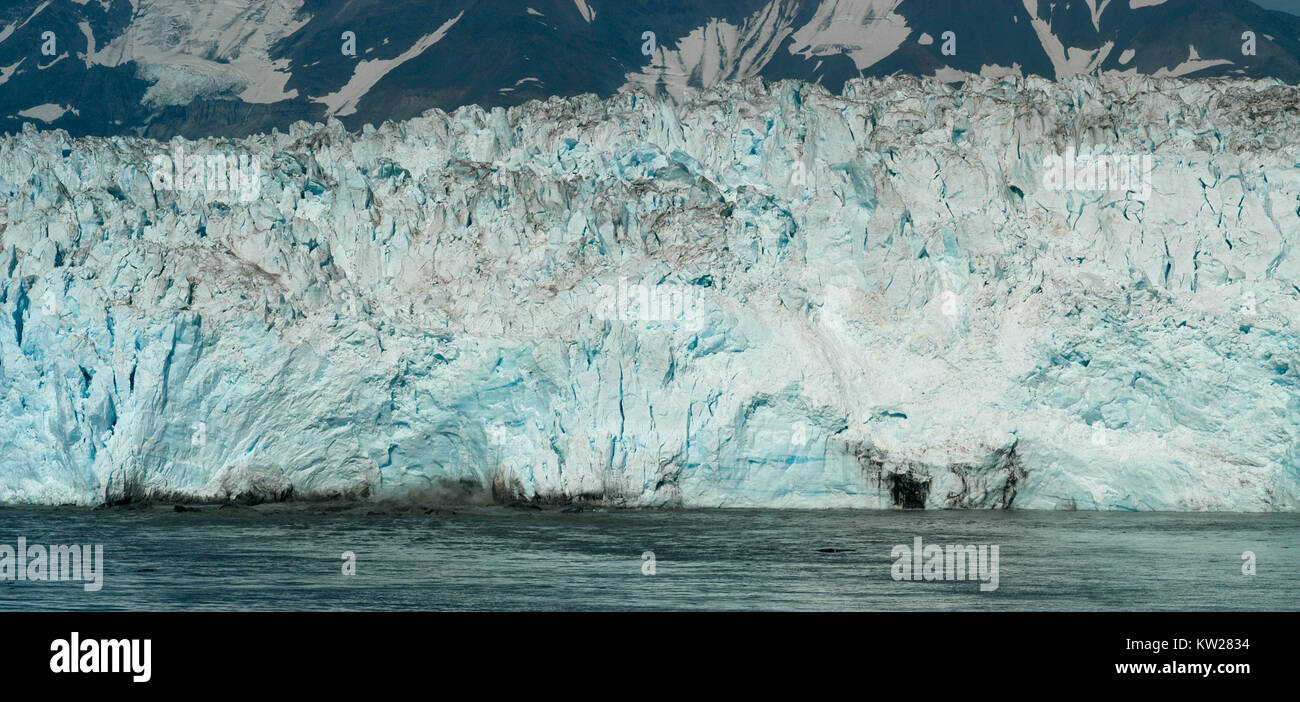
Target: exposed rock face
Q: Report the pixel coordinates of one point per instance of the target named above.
(771, 296)
(198, 68)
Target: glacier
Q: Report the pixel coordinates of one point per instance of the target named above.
(765, 296)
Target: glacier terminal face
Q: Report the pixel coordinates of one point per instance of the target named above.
(908, 295)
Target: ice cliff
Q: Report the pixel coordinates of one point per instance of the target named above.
(766, 296)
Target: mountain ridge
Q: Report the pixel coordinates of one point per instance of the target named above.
(162, 68)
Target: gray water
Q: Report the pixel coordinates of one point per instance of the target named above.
(289, 557)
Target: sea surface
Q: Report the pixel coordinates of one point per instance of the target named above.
(291, 557)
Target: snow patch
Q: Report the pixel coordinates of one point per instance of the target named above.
(715, 53)
(864, 30)
(1066, 61)
(587, 11)
(1193, 64)
(367, 73)
(196, 48)
(47, 112)
(6, 72)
